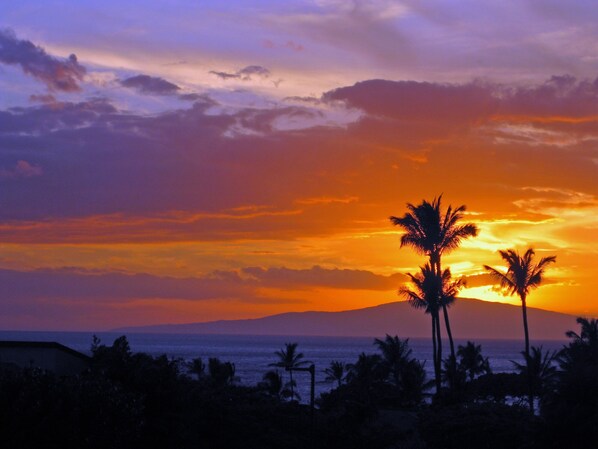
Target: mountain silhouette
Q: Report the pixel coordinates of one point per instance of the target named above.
(472, 318)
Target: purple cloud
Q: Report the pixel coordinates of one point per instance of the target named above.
(77, 283)
(150, 85)
(317, 276)
(57, 74)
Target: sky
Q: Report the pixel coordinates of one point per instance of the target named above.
(182, 161)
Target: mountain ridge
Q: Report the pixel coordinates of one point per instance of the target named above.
(470, 319)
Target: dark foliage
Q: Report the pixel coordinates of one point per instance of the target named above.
(477, 426)
(131, 400)
(571, 409)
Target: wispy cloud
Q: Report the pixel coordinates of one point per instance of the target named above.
(245, 74)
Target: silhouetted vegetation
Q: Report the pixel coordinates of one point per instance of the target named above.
(429, 292)
(571, 407)
(433, 233)
(522, 275)
(290, 359)
(132, 400)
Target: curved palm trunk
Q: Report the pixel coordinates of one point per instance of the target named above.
(436, 261)
(448, 330)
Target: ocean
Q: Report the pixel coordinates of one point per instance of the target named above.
(252, 354)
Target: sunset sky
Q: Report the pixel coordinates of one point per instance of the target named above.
(183, 161)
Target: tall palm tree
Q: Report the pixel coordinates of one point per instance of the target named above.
(336, 372)
(521, 276)
(433, 233)
(430, 292)
(289, 359)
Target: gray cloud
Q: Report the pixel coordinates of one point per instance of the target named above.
(57, 74)
(323, 277)
(76, 283)
(150, 85)
(245, 74)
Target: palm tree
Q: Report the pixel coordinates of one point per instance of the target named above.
(581, 355)
(221, 373)
(571, 408)
(589, 332)
(471, 360)
(431, 291)
(272, 383)
(336, 372)
(289, 359)
(433, 233)
(540, 371)
(396, 355)
(364, 375)
(404, 372)
(521, 276)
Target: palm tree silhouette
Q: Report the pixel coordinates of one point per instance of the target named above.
(396, 356)
(589, 332)
(336, 372)
(365, 374)
(272, 383)
(289, 359)
(539, 369)
(433, 233)
(471, 360)
(521, 276)
(430, 292)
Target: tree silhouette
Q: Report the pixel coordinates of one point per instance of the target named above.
(588, 335)
(396, 356)
(365, 375)
(472, 361)
(272, 383)
(430, 292)
(336, 372)
(289, 359)
(539, 369)
(404, 372)
(433, 233)
(521, 276)
(571, 410)
(197, 367)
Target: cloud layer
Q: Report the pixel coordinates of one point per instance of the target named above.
(209, 193)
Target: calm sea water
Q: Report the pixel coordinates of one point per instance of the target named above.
(252, 354)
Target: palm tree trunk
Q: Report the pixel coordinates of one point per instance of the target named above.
(292, 387)
(445, 310)
(527, 356)
(525, 329)
(448, 330)
(435, 355)
(439, 349)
